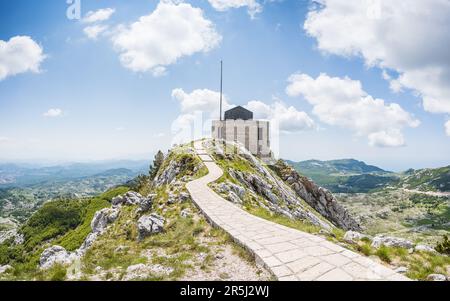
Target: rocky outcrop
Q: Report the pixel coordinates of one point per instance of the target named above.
(317, 197)
(145, 271)
(281, 199)
(150, 224)
(56, 255)
(354, 236)
(436, 277)
(390, 241)
(17, 238)
(5, 268)
(102, 218)
(59, 255)
(424, 248)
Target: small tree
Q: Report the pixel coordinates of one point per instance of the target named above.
(157, 163)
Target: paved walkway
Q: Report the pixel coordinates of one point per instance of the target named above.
(288, 253)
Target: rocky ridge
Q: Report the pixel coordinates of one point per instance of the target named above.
(286, 192)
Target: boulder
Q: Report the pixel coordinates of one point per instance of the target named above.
(5, 268)
(55, 255)
(390, 241)
(172, 199)
(145, 204)
(88, 242)
(142, 271)
(150, 224)
(132, 198)
(186, 213)
(102, 218)
(16, 237)
(353, 236)
(401, 270)
(232, 197)
(436, 277)
(424, 248)
(184, 197)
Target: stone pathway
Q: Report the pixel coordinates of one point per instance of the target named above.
(288, 253)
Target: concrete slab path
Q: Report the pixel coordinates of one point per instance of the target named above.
(288, 253)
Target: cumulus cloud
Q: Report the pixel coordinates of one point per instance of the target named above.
(343, 102)
(253, 7)
(447, 128)
(53, 113)
(99, 15)
(201, 106)
(204, 100)
(289, 119)
(19, 55)
(92, 32)
(409, 37)
(171, 31)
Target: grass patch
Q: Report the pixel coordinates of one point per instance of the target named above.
(384, 254)
(282, 220)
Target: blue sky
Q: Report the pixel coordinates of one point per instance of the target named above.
(84, 103)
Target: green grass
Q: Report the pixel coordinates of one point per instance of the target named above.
(384, 254)
(73, 239)
(282, 220)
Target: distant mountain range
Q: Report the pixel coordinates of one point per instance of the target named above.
(350, 175)
(15, 175)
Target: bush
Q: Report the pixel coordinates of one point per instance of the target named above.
(57, 273)
(443, 246)
(73, 239)
(51, 220)
(384, 254)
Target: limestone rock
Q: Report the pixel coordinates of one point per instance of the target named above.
(317, 197)
(5, 268)
(390, 241)
(186, 213)
(102, 218)
(55, 255)
(436, 277)
(184, 197)
(16, 237)
(145, 204)
(353, 236)
(88, 242)
(401, 270)
(143, 271)
(424, 248)
(150, 224)
(232, 197)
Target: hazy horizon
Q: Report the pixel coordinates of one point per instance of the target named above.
(120, 80)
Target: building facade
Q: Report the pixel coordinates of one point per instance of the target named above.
(239, 126)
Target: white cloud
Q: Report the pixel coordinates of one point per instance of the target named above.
(171, 31)
(99, 15)
(53, 113)
(342, 102)
(19, 55)
(409, 37)
(447, 128)
(201, 106)
(92, 32)
(289, 119)
(4, 139)
(204, 100)
(253, 7)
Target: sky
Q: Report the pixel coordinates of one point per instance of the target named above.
(84, 80)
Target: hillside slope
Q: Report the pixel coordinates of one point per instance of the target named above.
(150, 229)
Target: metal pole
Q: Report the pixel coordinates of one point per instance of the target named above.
(221, 88)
